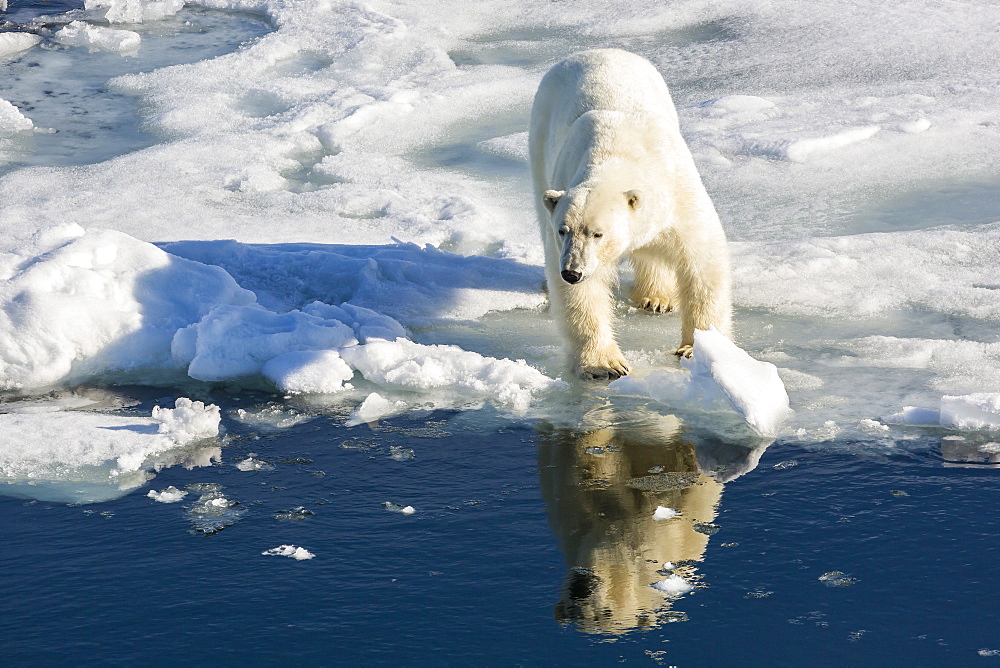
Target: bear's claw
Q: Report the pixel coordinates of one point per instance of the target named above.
(656, 306)
(684, 351)
(604, 370)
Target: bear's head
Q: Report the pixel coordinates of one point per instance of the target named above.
(591, 225)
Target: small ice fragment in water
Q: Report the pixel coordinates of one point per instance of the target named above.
(837, 579)
(668, 566)
(706, 528)
(787, 464)
(989, 652)
(297, 514)
(898, 492)
(297, 553)
(253, 464)
(594, 450)
(655, 469)
(674, 585)
(664, 513)
(169, 495)
(760, 592)
(398, 508)
(400, 454)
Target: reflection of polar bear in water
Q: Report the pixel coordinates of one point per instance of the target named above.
(614, 179)
(600, 497)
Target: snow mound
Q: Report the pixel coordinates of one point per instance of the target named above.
(135, 11)
(188, 421)
(309, 372)
(78, 304)
(169, 495)
(719, 373)
(99, 38)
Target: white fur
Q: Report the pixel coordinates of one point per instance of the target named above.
(613, 179)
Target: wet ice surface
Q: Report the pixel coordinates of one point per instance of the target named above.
(362, 338)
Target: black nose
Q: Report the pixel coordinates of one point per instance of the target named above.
(571, 276)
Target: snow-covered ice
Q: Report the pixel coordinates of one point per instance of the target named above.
(374, 408)
(340, 208)
(169, 495)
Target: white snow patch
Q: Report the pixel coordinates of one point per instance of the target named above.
(719, 372)
(99, 38)
(12, 121)
(135, 11)
(375, 407)
(297, 553)
(188, 420)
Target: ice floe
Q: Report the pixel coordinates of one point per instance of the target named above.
(673, 585)
(169, 495)
(14, 43)
(971, 412)
(292, 551)
(98, 38)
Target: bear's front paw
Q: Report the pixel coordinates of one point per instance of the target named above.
(684, 351)
(609, 368)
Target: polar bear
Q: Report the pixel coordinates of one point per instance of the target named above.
(613, 180)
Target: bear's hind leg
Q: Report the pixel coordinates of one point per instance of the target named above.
(653, 289)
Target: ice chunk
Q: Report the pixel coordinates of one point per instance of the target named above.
(914, 415)
(719, 370)
(375, 407)
(399, 508)
(188, 420)
(13, 43)
(297, 553)
(99, 38)
(135, 11)
(664, 513)
(980, 411)
(12, 120)
(673, 585)
(309, 372)
(403, 363)
(169, 495)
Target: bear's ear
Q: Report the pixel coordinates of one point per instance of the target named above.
(551, 198)
(634, 199)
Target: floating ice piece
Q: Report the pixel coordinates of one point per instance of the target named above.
(403, 363)
(719, 370)
(968, 412)
(837, 579)
(664, 513)
(99, 38)
(375, 407)
(12, 121)
(84, 457)
(673, 585)
(253, 464)
(169, 495)
(13, 43)
(399, 508)
(669, 566)
(309, 372)
(297, 553)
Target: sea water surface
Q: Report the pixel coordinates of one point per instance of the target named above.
(509, 523)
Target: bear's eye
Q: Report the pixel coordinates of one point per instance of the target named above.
(598, 235)
(562, 232)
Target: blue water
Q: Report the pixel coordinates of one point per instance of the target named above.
(475, 576)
